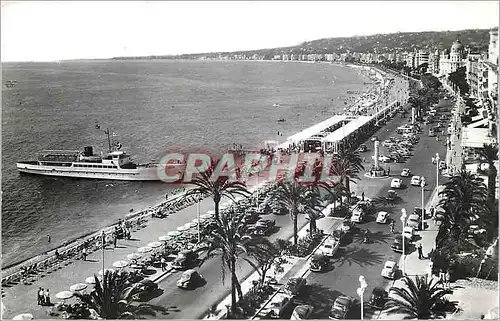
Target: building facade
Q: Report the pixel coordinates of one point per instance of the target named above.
(453, 59)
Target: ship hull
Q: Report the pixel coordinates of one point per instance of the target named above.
(141, 173)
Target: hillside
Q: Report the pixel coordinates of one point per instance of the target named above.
(477, 40)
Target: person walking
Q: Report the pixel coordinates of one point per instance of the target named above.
(362, 196)
(114, 240)
(447, 278)
(392, 226)
(419, 249)
(39, 296)
(48, 238)
(388, 171)
(46, 297)
(84, 254)
(163, 264)
(442, 276)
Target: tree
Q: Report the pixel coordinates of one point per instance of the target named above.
(216, 187)
(463, 200)
(297, 198)
(268, 259)
(489, 154)
(458, 80)
(113, 297)
(347, 164)
(421, 299)
(231, 240)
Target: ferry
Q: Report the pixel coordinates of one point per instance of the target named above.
(115, 165)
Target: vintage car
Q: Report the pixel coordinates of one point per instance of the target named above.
(190, 279)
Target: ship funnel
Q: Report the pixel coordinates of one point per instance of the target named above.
(87, 151)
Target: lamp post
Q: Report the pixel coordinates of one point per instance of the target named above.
(198, 217)
(422, 184)
(403, 220)
(361, 290)
(437, 169)
(103, 236)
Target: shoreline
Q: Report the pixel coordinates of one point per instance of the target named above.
(15, 267)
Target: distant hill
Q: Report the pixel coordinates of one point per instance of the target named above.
(476, 39)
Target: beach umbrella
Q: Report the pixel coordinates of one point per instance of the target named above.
(134, 256)
(164, 238)
(107, 270)
(190, 225)
(174, 233)
(120, 264)
(90, 280)
(211, 212)
(78, 287)
(182, 228)
(195, 221)
(24, 316)
(63, 295)
(155, 244)
(144, 249)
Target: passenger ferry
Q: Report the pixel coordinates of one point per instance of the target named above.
(115, 165)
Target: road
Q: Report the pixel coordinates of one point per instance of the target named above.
(356, 258)
(194, 304)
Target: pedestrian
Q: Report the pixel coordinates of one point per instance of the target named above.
(362, 196)
(442, 276)
(433, 160)
(388, 171)
(58, 256)
(364, 159)
(47, 297)
(114, 240)
(447, 278)
(48, 238)
(392, 226)
(163, 264)
(84, 254)
(39, 296)
(431, 211)
(419, 249)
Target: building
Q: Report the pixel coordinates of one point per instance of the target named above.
(453, 59)
(433, 63)
(422, 57)
(410, 60)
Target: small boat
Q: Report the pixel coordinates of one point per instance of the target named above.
(276, 105)
(281, 120)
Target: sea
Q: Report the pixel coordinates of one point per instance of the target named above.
(150, 107)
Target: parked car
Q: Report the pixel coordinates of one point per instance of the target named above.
(264, 227)
(415, 180)
(185, 259)
(362, 148)
(409, 232)
(319, 262)
(146, 287)
(378, 298)
(389, 270)
(413, 223)
(189, 279)
(391, 195)
(396, 183)
(294, 286)
(331, 245)
(406, 172)
(357, 215)
(382, 217)
(342, 305)
(397, 245)
(302, 312)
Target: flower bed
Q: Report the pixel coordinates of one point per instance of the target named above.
(253, 299)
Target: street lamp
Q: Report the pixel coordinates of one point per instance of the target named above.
(103, 236)
(437, 169)
(361, 290)
(422, 184)
(198, 210)
(403, 220)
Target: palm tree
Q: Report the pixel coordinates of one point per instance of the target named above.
(421, 299)
(232, 240)
(113, 297)
(296, 197)
(490, 154)
(216, 187)
(347, 164)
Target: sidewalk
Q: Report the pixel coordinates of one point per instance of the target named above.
(21, 298)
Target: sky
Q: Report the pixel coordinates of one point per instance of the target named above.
(49, 31)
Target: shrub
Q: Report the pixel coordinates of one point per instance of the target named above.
(341, 211)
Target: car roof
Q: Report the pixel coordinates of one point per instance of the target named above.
(390, 263)
(382, 212)
(343, 299)
(414, 216)
(303, 309)
(415, 176)
(408, 228)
